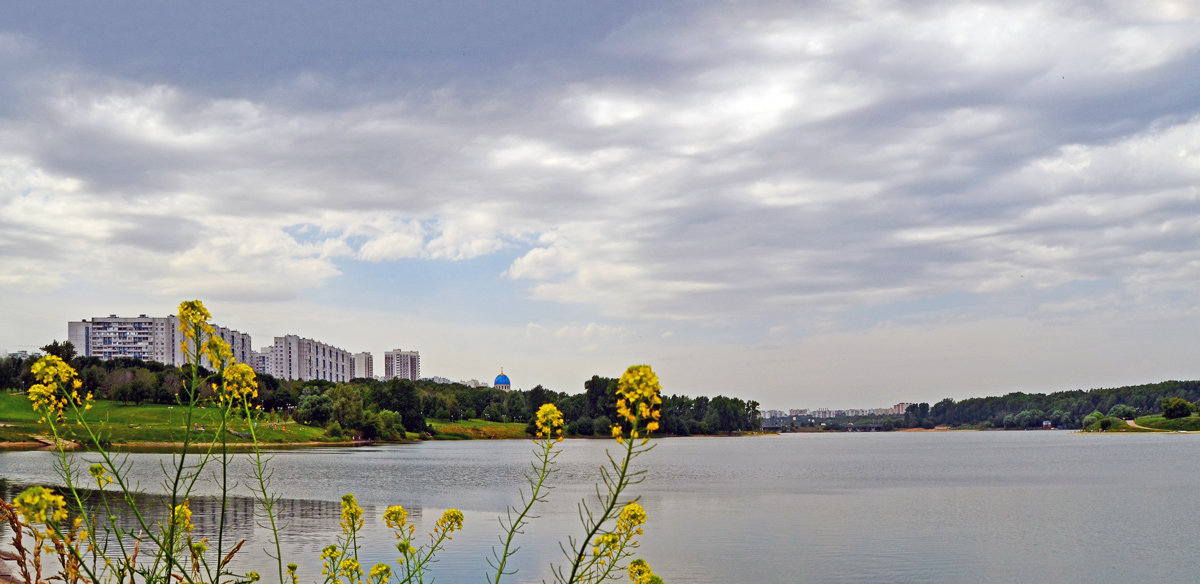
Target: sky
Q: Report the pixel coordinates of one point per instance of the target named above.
(807, 204)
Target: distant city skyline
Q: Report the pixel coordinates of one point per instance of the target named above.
(815, 202)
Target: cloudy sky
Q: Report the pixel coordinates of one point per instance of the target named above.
(839, 204)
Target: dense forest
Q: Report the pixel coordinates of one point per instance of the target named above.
(372, 409)
(1063, 409)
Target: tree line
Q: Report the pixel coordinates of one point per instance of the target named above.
(1063, 409)
(374, 409)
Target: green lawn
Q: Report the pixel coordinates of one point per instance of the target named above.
(1190, 423)
(118, 423)
(476, 429)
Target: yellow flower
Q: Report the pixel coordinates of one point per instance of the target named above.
(100, 474)
(395, 516)
(58, 386)
(218, 352)
(291, 572)
(631, 518)
(638, 401)
(604, 544)
(350, 569)
(253, 576)
(192, 314)
(181, 517)
(41, 505)
(640, 573)
(240, 383)
(451, 521)
(380, 573)
(352, 514)
(549, 421)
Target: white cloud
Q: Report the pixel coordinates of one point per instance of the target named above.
(784, 168)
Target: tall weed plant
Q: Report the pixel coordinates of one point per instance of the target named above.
(77, 535)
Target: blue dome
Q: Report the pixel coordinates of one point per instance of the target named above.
(502, 379)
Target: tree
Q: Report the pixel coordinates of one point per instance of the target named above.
(1123, 411)
(64, 350)
(1175, 407)
(315, 409)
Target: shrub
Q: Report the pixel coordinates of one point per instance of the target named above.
(333, 430)
(1174, 407)
(601, 425)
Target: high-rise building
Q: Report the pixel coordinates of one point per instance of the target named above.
(362, 365)
(152, 338)
(293, 357)
(402, 364)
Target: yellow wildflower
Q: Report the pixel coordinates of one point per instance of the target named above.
(395, 517)
(58, 386)
(240, 383)
(604, 544)
(380, 573)
(291, 572)
(352, 514)
(101, 475)
(549, 421)
(218, 352)
(181, 517)
(193, 314)
(631, 518)
(350, 569)
(41, 505)
(330, 554)
(451, 521)
(638, 401)
(640, 573)
(253, 576)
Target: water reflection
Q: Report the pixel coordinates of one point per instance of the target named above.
(306, 525)
(986, 507)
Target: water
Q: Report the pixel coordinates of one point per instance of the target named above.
(886, 507)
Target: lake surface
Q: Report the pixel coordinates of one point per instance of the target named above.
(869, 507)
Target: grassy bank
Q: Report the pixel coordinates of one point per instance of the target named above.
(1188, 424)
(131, 425)
(477, 429)
(121, 424)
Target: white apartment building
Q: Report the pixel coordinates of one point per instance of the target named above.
(151, 338)
(293, 357)
(402, 364)
(362, 365)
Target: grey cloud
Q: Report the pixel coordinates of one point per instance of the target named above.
(884, 143)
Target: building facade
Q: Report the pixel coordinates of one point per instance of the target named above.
(150, 338)
(402, 364)
(362, 365)
(294, 357)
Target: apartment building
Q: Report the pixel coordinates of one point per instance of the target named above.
(362, 365)
(402, 364)
(294, 357)
(151, 338)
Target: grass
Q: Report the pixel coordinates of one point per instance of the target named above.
(477, 429)
(123, 424)
(119, 423)
(1190, 423)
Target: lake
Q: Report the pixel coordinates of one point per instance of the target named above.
(866, 507)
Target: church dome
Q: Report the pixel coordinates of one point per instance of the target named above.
(502, 379)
